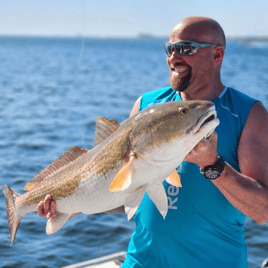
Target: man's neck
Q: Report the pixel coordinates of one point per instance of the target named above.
(203, 94)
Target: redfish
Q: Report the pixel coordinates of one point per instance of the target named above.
(128, 160)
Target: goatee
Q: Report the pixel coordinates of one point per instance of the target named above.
(180, 85)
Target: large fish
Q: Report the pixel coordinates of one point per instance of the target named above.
(127, 161)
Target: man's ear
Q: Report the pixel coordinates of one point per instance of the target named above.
(219, 53)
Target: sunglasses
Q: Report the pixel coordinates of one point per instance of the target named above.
(185, 48)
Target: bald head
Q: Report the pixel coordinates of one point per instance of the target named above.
(200, 29)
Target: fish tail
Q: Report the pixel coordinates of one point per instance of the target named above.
(13, 217)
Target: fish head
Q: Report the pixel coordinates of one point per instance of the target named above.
(171, 130)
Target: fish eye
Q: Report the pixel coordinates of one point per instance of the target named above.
(183, 110)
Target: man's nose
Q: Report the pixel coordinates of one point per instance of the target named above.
(174, 57)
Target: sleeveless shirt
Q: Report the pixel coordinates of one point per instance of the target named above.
(201, 229)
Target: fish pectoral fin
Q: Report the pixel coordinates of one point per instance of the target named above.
(158, 195)
(123, 178)
(104, 128)
(174, 179)
(133, 201)
(69, 156)
(56, 222)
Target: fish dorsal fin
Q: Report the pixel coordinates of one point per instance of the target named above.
(123, 178)
(174, 179)
(104, 128)
(72, 154)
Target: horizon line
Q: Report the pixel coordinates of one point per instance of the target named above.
(137, 36)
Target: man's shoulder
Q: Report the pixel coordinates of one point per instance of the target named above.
(237, 105)
(158, 92)
(237, 95)
(156, 96)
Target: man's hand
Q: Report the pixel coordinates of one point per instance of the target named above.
(205, 152)
(47, 207)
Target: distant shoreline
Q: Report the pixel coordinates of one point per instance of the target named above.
(248, 39)
(141, 36)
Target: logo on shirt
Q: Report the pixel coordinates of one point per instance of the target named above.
(172, 193)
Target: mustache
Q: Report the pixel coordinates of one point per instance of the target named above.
(176, 64)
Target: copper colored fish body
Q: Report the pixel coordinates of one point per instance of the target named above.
(127, 161)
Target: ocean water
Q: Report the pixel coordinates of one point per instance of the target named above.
(52, 90)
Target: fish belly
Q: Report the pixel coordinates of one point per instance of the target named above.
(91, 196)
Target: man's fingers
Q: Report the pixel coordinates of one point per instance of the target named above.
(49, 215)
(203, 151)
(213, 136)
(47, 208)
(53, 207)
(47, 201)
(40, 209)
(52, 210)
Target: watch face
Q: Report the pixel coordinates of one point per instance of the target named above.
(212, 174)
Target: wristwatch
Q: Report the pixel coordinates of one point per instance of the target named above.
(213, 172)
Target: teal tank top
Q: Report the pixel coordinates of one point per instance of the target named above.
(201, 229)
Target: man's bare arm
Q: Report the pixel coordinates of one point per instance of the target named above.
(248, 190)
(136, 107)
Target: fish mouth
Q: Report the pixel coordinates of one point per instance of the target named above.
(204, 120)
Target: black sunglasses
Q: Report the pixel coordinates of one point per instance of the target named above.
(185, 48)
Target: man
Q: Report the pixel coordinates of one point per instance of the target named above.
(204, 226)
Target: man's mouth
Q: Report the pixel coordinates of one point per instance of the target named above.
(180, 76)
(179, 69)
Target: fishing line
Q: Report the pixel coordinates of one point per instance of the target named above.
(82, 32)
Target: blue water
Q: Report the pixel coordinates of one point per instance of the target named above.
(52, 90)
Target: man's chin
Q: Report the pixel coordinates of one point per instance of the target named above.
(179, 88)
(180, 85)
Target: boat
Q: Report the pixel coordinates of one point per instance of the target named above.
(110, 261)
(115, 261)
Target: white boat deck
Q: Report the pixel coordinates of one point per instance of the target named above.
(110, 261)
(115, 261)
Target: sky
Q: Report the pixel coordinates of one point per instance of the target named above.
(127, 18)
